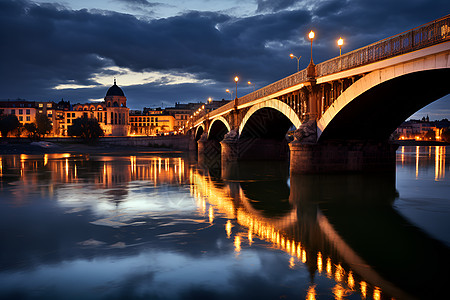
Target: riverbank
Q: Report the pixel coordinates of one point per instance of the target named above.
(421, 143)
(45, 147)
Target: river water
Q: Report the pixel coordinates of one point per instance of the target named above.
(162, 226)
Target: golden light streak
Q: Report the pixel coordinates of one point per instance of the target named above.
(228, 228)
(329, 266)
(351, 280)
(417, 162)
(311, 294)
(303, 256)
(67, 168)
(403, 155)
(319, 262)
(237, 244)
(45, 159)
(75, 175)
(1, 167)
(211, 215)
(376, 293)
(439, 163)
(291, 263)
(339, 292)
(250, 237)
(339, 273)
(364, 288)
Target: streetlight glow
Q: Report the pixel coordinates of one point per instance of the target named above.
(250, 83)
(311, 35)
(340, 42)
(298, 60)
(230, 92)
(236, 79)
(209, 100)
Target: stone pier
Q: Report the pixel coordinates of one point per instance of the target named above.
(342, 156)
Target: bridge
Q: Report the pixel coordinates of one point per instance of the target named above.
(343, 110)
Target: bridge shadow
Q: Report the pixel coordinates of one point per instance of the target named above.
(356, 218)
(344, 221)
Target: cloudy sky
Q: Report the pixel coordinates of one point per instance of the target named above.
(184, 50)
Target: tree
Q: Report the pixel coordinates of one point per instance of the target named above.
(446, 135)
(8, 123)
(32, 130)
(43, 124)
(87, 128)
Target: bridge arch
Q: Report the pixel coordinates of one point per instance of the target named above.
(199, 131)
(375, 105)
(275, 104)
(218, 128)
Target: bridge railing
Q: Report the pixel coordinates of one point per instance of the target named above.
(420, 37)
(429, 34)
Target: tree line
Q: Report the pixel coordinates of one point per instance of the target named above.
(86, 128)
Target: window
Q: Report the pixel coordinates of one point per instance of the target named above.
(73, 115)
(69, 120)
(20, 118)
(49, 105)
(41, 105)
(13, 111)
(20, 111)
(68, 115)
(28, 118)
(28, 111)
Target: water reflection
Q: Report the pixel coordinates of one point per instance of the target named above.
(339, 234)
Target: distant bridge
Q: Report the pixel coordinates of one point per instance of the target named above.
(344, 109)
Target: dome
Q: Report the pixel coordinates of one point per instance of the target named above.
(115, 91)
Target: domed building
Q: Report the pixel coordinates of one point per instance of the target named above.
(112, 114)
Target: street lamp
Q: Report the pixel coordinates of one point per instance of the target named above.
(311, 37)
(236, 79)
(230, 92)
(250, 83)
(298, 60)
(340, 42)
(209, 100)
(311, 69)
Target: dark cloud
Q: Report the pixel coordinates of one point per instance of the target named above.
(274, 6)
(46, 45)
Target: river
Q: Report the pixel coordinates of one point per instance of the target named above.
(162, 226)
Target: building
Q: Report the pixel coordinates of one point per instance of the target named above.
(151, 122)
(112, 114)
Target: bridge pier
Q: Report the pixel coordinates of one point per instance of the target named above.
(208, 150)
(342, 156)
(247, 149)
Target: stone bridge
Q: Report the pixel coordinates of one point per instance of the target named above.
(343, 110)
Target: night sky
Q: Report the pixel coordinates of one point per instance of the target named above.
(185, 51)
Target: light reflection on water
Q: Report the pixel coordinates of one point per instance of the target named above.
(163, 227)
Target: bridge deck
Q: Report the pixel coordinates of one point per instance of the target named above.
(429, 34)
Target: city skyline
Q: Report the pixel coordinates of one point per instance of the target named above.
(184, 51)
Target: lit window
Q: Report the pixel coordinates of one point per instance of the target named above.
(49, 105)
(41, 105)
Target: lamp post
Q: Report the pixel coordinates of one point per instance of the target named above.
(340, 42)
(230, 92)
(250, 83)
(298, 60)
(311, 69)
(236, 79)
(311, 37)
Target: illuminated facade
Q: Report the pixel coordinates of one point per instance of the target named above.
(112, 114)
